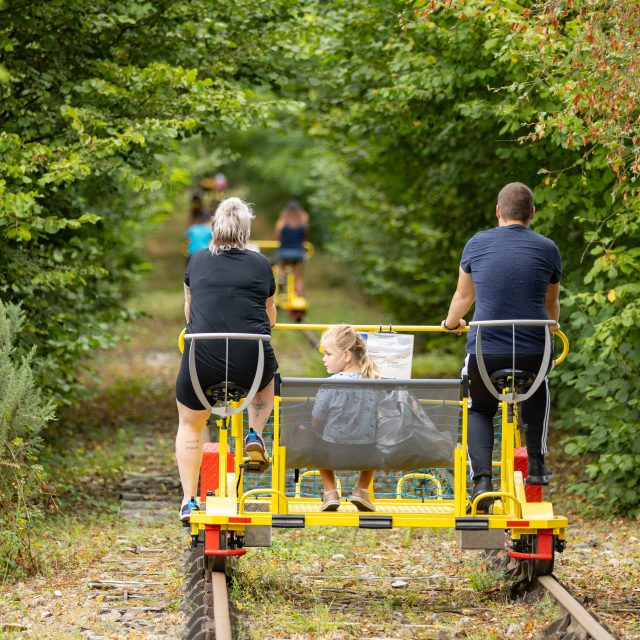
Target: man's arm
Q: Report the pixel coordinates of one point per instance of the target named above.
(552, 303)
(187, 302)
(272, 312)
(462, 300)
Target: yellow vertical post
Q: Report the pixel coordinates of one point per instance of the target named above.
(284, 505)
(275, 458)
(506, 466)
(460, 463)
(458, 487)
(222, 466)
(517, 436)
(291, 286)
(237, 433)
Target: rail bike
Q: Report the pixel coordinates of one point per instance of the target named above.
(422, 475)
(286, 297)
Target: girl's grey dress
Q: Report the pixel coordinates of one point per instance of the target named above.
(347, 413)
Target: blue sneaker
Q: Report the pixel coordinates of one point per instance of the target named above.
(257, 452)
(187, 508)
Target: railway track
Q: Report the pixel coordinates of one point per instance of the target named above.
(312, 338)
(207, 605)
(206, 599)
(575, 619)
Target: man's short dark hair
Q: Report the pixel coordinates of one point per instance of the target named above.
(516, 202)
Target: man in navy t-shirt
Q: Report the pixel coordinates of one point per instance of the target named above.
(510, 272)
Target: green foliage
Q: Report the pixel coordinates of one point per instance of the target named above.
(402, 120)
(23, 414)
(99, 97)
(420, 112)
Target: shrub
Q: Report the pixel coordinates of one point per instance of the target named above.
(23, 415)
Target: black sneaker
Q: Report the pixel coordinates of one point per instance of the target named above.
(482, 484)
(539, 473)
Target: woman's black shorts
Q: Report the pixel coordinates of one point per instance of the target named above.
(210, 365)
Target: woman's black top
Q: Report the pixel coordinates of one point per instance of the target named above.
(228, 295)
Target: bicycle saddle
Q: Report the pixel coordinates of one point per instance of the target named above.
(522, 379)
(215, 393)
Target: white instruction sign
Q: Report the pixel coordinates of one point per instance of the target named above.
(392, 353)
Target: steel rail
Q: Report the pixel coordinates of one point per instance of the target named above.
(221, 617)
(579, 615)
(312, 337)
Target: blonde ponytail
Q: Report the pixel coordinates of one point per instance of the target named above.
(368, 368)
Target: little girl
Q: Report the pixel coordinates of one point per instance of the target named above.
(346, 416)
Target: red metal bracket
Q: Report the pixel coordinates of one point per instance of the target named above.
(212, 543)
(545, 548)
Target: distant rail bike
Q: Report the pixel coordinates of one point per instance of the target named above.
(287, 298)
(413, 486)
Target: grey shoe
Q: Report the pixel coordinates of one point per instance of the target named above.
(330, 501)
(361, 499)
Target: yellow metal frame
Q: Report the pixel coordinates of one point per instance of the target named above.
(287, 300)
(511, 509)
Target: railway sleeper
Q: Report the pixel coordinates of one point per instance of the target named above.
(193, 580)
(564, 628)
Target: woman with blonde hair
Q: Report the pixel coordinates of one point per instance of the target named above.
(346, 416)
(228, 289)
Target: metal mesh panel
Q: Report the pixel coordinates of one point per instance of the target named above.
(369, 424)
(438, 397)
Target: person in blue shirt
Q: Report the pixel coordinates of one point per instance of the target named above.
(509, 272)
(199, 232)
(292, 229)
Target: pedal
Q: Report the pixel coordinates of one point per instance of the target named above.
(255, 466)
(484, 507)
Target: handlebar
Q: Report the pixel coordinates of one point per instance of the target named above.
(216, 336)
(275, 244)
(545, 365)
(231, 336)
(512, 323)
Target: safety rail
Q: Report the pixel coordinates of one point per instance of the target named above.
(422, 476)
(313, 474)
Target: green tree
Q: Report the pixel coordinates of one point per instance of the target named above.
(98, 99)
(587, 56)
(425, 109)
